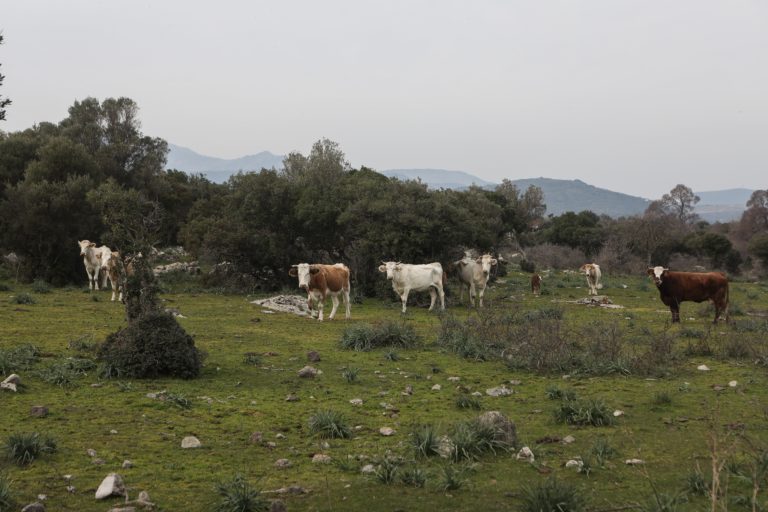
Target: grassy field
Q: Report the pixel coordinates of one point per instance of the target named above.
(671, 413)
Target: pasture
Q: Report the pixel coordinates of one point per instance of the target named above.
(672, 411)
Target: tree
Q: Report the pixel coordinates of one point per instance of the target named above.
(680, 201)
(758, 247)
(578, 231)
(4, 102)
(755, 217)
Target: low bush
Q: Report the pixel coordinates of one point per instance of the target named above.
(252, 358)
(350, 374)
(237, 495)
(18, 358)
(329, 424)
(386, 472)
(472, 439)
(425, 441)
(23, 298)
(365, 337)
(40, 286)
(453, 477)
(414, 477)
(584, 412)
(64, 373)
(23, 448)
(552, 495)
(555, 393)
(468, 402)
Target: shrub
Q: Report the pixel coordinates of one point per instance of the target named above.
(584, 412)
(468, 402)
(83, 343)
(473, 439)
(40, 286)
(425, 441)
(452, 478)
(387, 471)
(661, 398)
(329, 424)
(23, 448)
(350, 374)
(7, 502)
(414, 477)
(555, 393)
(152, 345)
(237, 495)
(177, 399)
(23, 298)
(365, 337)
(252, 358)
(63, 373)
(552, 495)
(18, 358)
(697, 484)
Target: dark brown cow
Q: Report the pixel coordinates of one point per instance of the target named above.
(536, 284)
(320, 281)
(676, 287)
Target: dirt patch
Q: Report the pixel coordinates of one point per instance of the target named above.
(294, 304)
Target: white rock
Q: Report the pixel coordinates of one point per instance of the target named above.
(568, 439)
(454, 379)
(526, 454)
(386, 431)
(113, 431)
(367, 469)
(477, 393)
(499, 391)
(190, 442)
(91, 452)
(321, 458)
(308, 372)
(356, 401)
(573, 463)
(733, 384)
(283, 463)
(634, 462)
(127, 464)
(618, 413)
(436, 387)
(12, 379)
(8, 385)
(703, 368)
(112, 485)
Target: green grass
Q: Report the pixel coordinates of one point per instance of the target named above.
(233, 398)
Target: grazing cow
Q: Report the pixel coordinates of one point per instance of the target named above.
(592, 271)
(112, 262)
(418, 278)
(474, 274)
(92, 261)
(536, 284)
(676, 287)
(322, 280)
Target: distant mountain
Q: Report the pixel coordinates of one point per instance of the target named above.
(439, 178)
(723, 205)
(219, 169)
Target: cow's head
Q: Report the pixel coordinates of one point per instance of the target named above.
(84, 245)
(106, 257)
(390, 267)
(486, 261)
(657, 274)
(303, 271)
(586, 268)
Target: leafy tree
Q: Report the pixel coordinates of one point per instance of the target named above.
(714, 246)
(4, 102)
(755, 217)
(680, 201)
(578, 231)
(758, 247)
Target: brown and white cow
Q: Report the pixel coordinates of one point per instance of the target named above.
(320, 281)
(592, 271)
(677, 287)
(115, 270)
(536, 284)
(474, 274)
(92, 261)
(418, 278)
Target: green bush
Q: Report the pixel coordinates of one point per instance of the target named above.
(18, 358)
(63, 373)
(23, 448)
(468, 402)
(584, 412)
(237, 495)
(414, 477)
(473, 439)
(23, 298)
(365, 337)
(386, 472)
(152, 345)
(452, 477)
(552, 495)
(40, 286)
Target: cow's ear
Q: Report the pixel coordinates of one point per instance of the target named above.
(461, 263)
(314, 270)
(92, 244)
(649, 271)
(494, 261)
(292, 271)
(382, 268)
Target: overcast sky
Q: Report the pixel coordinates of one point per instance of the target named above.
(633, 96)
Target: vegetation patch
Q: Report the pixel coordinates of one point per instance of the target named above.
(592, 412)
(329, 424)
(22, 448)
(365, 337)
(552, 495)
(238, 495)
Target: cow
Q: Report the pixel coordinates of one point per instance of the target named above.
(677, 287)
(418, 278)
(112, 263)
(92, 261)
(592, 271)
(536, 284)
(320, 281)
(474, 274)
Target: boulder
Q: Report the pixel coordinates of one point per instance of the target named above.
(525, 454)
(308, 372)
(313, 356)
(499, 391)
(504, 428)
(112, 485)
(283, 463)
(386, 431)
(321, 458)
(34, 507)
(12, 379)
(38, 411)
(190, 442)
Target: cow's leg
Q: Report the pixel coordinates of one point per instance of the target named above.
(675, 309)
(472, 294)
(442, 298)
(432, 297)
(404, 298)
(480, 296)
(114, 286)
(320, 299)
(335, 301)
(347, 306)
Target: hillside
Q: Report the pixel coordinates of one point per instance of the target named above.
(219, 169)
(439, 178)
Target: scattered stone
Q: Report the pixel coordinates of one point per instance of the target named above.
(445, 447)
(477, 393)
(313, 356)
(356, 401)
(112, 485)
(282, 463)
(568, 439)
(292, 398)
(703, 368)
(386, 431)
(325, 445)
(718, 387)
(504, 429)
(408, 390)
(113, 431)
(308, 372)
(34, 507)
(733, 384)
(368, 469)
(525, 454)
(454, 379)
(436, 387)
(634, 462)
(38, 411)
(321, 458)
(10, 386)
(97, 384)
(279, 436)
(256, 438)
(515, 382)
(499, 391)
(190, 442)
(98, 461)
(91, 452)
(122, 509)
(144, 498)
(70, 489)
(271, 445)
(277, 506)
(127, 464)
(295, 304)
(12, 379)
(573, 463)
(618, 413)
(548, 440)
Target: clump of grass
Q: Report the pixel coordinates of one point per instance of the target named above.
(23, 298)
(468, 402)
(82, 343)
(237, 495)
(425, 441)
(7, 502)
(584, 412)
(252, 358)
(18, 358)
(586, 466)
(696, 483)
(350, 374)
(552, 495)
(24, 447)
(414, 477)
(40, 286)
(64, 373)
(124, 386)
(329, 424)
(387, 471)
(663, 502)
(95, 298)
(603, 451)
(365, 337)
(452, 477)
(472, 439)
(391, 355)
(178, 399)
(5, 288)
(545, 313)
(661, 398)
(555, 393)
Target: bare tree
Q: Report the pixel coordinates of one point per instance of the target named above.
(4, 102)
(681, 202)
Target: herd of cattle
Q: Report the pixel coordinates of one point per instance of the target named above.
(321, 281)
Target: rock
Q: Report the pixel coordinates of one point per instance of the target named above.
(292, 398)
(504, 428)
(34, 507)
(445, 447)
(10, 386)
(573, 463)
(12, 379)
(733, 384)
(283, 463)
(436, 387)
(477, 393)
(113, 431)
(408, 390)
(499, 391)
(122, 509)
(277, 506)
(321, 458)
(271, 445)
(515, 382)
(703, 368)
(386, 431)
(279, 436)
(356, 401)
(91, 452)
(568, 439)
(368, 469)
(38, 411)
(144, 497)
(525, 454)
(634, 462)
(190, 442)
(308, 372)
(313, 356)
(112, 485)
(618, 413)
(454, 379)
(256, 438)
(127, 464)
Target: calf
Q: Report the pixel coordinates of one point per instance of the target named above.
(115, 270)
(677, 287)
(474, 274)
(92, 261)
(406, 278)
(536, 284)
(592, 271)
(320, 281)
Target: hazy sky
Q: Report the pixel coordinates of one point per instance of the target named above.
(633, 96)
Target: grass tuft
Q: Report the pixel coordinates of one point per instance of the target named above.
(453, 477)
(252, 358)
(40, 286)
(350, 374)
(365, 337)
(23, 298)
(603, 451)
(7, 502)
(237, 495)
(18, 358)
(552, 495)
(387, 471)
(24, 447)
(329, 424)
(584, 412)
(425, 441)
(413, 477)
(468, 402)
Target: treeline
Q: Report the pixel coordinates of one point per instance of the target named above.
(96, 176)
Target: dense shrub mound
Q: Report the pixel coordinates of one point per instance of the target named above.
(365, 337)
(152, 345)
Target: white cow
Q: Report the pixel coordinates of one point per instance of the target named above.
(92, 261)
(418, 278)
(592, 271)
(474, 274)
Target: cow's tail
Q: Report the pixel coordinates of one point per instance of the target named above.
(727, 302)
